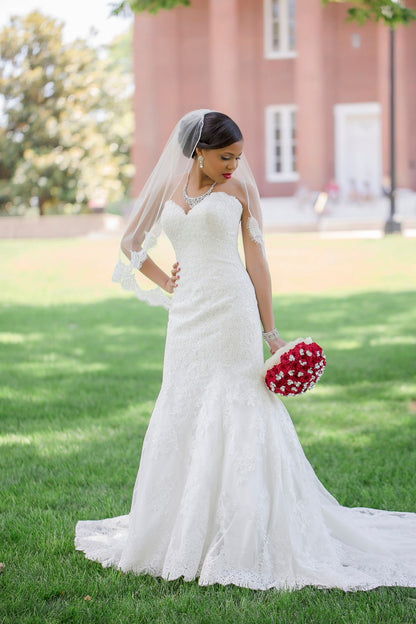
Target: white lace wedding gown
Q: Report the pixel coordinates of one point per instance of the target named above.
(224, 491)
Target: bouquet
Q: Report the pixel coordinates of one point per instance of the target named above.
(295, 368)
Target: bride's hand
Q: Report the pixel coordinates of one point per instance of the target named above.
(276, 344)
(171, 282)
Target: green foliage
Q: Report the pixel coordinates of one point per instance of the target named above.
(120, 53)
(153, 6)
(80, 370)
(391, 12)
(67, 124)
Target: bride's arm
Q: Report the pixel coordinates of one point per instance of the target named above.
(133, 239)
(258, 269)
(159, 277)
(152, 271)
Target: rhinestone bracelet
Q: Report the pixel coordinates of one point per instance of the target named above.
(271, 335)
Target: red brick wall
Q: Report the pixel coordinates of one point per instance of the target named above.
(211, 55)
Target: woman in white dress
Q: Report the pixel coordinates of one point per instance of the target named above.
(224, 492)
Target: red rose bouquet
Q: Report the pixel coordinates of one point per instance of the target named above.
(295, 368)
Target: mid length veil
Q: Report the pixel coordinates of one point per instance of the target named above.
(144, 227)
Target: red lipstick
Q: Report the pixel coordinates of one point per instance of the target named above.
(227, 176)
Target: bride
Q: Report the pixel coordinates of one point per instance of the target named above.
(224, 492)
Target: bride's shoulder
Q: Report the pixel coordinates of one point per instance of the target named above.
(237, 190)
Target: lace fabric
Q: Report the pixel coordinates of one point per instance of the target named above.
(170, 173)
(224, 492)
(125, 273)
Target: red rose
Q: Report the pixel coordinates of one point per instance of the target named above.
(295, 368)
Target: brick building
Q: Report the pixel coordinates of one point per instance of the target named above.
(309, 90)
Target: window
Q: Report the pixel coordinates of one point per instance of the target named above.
(281, 144)
(279, 28)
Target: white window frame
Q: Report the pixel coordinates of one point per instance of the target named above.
(287, 174)
(284, 51)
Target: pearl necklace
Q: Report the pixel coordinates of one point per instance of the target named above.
(193, 201)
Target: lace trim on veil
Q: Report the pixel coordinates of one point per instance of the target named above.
(124, 274)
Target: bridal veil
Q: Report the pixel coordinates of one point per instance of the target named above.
(170, 172)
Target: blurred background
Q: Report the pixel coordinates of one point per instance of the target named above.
(327, 106)
(66, 123)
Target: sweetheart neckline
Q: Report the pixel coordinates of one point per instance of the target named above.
(201, 202)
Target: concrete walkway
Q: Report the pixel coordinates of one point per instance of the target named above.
(291, 214)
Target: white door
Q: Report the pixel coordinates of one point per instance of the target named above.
(358, 157)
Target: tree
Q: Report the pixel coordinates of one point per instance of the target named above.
(120, 53)
(153, 6)
(389, 11)
(66, 121)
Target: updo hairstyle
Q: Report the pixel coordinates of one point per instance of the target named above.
(218, 131)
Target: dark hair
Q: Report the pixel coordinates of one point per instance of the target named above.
(218, 131)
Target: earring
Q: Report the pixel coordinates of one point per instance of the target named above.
(201, 162)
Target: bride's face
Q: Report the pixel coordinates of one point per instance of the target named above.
(220, 164)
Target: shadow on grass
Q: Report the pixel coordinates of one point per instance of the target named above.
(67, 362)
(96, 369)
(78, 385)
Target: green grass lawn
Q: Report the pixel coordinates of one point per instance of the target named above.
(81, 366)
